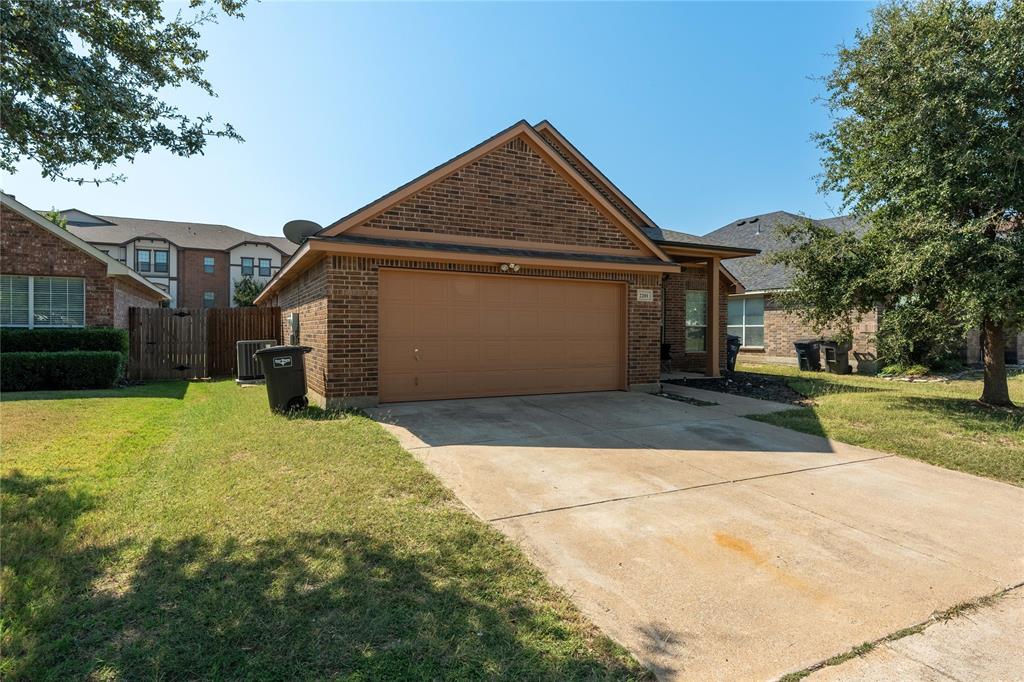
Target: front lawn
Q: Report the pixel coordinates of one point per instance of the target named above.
(181, 531)
(940, 423)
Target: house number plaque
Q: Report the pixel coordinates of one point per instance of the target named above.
(645, 295)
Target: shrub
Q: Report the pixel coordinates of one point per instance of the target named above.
(56, 340)
(31, 371)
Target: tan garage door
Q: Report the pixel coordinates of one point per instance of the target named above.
(448, 335)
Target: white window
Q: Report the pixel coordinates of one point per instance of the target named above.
(27, 301)
(14, 298)
(696, 321)
(746, 320)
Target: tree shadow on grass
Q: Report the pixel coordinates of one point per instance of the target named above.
(969, 414)
(820, 386)
(175, 390)
(306, 605)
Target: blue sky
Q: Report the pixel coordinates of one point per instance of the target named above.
(701, 112)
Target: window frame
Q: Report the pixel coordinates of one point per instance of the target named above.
(250, 266)
(166, 263)
(149, 260)
(743, 323)
(702, 324)
(31, 322)
(212, 299)
(269, 263)
(209, 265)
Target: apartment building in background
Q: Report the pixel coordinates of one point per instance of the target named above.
(197, 264)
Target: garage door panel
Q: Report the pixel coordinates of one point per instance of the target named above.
(477, 335)
(496, 291)
(495, 321)
(463, 290)
(397, 290)
(464, 321)
(400, 321)
(525, 292)
(523, 319)
(429, 321)
(428, 290)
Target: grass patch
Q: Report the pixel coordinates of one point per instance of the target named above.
(182, 531)
(939, 423)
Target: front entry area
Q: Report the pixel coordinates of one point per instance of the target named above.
(459, 335)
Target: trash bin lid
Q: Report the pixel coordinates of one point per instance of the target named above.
(278, 350)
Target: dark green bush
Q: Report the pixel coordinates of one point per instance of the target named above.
(60, 371)
(56, 340)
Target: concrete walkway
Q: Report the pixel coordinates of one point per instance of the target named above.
(983, 644)
(713, 546)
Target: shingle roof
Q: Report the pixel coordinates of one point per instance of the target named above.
(184, 235)
(759, 232)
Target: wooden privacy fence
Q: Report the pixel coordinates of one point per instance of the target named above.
(183, 343)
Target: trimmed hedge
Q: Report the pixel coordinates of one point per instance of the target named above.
(60, 371)
(58, 340)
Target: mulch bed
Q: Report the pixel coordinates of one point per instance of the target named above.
(750, 386)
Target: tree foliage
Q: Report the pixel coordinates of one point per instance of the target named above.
(246, 291)
(57, 218)
(81, 82)
(927, 149)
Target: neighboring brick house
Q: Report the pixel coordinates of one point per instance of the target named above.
(514, 268)
(197, 264)
(766, 330)
(51, 278)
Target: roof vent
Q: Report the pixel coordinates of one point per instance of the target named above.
(741, 222)
(754, 220)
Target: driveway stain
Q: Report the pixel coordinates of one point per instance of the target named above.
(761, 560)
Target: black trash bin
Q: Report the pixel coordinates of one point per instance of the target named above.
(837, 356)
(732, 345)
(808, 355)
(285, 370)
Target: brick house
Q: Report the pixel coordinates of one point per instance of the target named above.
(197, 264)
(51, 278)
(767, 330)
(515, 268)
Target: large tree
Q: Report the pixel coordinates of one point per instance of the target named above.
(81, 82)
(926, 147)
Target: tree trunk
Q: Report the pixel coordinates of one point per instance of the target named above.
(993, 351)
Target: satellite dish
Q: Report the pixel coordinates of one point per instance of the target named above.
(298, 231)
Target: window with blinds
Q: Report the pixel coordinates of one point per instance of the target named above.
(14, 309)
(29, 301)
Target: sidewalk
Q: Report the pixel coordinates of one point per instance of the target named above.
(986, 643)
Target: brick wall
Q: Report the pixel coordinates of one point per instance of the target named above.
(193, 280)
(338, 306)
(676, 286)
(307, 296)
(511, 193)
(782, 328)
(597, 184)
(128, 294)
(27, 249)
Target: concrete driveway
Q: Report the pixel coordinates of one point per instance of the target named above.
(714, 546)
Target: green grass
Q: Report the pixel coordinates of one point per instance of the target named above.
(939, 423)
(182, 531)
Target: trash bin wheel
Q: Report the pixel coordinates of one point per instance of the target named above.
(298, 403)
